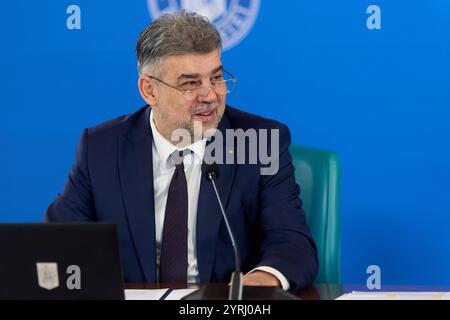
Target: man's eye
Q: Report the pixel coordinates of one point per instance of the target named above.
(190, 85)
(217, 78)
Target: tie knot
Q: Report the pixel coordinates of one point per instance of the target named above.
(178, 155)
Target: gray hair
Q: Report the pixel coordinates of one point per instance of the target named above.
(177, 33)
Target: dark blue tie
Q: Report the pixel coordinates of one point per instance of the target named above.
(173, 262)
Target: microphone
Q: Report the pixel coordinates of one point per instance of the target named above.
(236, 291)
(211, 173)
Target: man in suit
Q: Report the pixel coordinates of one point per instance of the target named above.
(169, 221)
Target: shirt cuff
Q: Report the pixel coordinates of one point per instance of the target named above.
(284, 282)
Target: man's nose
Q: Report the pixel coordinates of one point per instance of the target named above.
(207, 94)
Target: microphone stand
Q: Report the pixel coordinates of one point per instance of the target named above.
(236, 291)
(236, 277)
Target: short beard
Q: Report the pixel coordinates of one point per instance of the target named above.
(196, 128)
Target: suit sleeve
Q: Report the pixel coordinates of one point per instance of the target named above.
(287, 243)
(75, 203)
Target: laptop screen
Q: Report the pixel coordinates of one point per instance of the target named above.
(60, 261)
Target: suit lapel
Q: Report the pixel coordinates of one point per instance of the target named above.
(136, 178)
(209, 216)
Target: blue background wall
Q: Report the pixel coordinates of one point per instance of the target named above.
(380, 98)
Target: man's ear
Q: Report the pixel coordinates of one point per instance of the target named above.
(147, 89)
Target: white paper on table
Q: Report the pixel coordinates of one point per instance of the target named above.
(179, 293)
(144, 294)
(403, 295)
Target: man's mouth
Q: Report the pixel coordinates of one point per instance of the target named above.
(205, 116)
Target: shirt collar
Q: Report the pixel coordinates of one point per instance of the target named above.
(165, 148)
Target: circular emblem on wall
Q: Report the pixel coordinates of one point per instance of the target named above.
(233, 18)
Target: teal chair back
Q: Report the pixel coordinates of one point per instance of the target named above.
(317, 172)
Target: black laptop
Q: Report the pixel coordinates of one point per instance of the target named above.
(60, 261)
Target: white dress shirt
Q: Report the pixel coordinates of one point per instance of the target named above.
(163, 169)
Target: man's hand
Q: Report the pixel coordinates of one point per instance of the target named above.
(261, 278)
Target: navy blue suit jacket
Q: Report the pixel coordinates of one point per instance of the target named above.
(112, 180)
